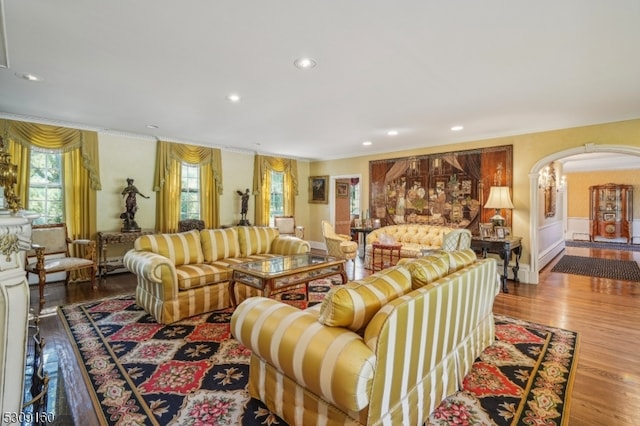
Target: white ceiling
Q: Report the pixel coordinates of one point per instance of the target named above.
(497, 67)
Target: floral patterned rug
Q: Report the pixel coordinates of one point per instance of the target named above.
(194, 373)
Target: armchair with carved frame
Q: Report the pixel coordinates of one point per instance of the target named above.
(50, 254)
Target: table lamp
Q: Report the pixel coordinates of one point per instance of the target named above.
(499, 199)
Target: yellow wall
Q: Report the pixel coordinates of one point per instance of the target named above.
(124, 156)
(578, 189)
(527, 150)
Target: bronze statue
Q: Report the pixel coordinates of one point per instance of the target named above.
(129, 223)
(244, 208)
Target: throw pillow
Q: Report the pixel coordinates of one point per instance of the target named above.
(182, 248)
(427, 269)
(460, 259)
(219, 244)
(354, 304)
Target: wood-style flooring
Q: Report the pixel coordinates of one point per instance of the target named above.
(605, 313)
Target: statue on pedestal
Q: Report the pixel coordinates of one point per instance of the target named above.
(244, 208)
(129, 224)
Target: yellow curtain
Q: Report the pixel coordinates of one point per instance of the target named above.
(263, 165)
(81, 172)
(80, 165)
(167, 183)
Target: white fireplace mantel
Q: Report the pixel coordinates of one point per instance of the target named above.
(15, 240)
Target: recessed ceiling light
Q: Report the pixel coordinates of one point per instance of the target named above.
(304, 63)
(456, 128)
(392, 133)
(233, 97)
(366, 143)
(28, 76)
(151, 126)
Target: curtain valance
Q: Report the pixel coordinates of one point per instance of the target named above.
(190, 154)
(57, 139)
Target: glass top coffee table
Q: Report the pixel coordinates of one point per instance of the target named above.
(283, 272)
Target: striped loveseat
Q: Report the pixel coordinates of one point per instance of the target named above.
(385, 350)
(185, 274)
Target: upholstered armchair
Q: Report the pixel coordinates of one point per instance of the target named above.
(50, 254)
(457, 239)
(287, 226)
(339, 245)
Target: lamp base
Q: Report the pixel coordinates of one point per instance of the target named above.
(497, 220)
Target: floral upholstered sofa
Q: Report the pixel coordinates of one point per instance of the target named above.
(385, 350)
(417, 237)
(185, 274)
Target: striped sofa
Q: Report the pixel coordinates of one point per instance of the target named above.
(185, 274)
(385, 350)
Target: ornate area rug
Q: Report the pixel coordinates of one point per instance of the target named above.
(194, 373)
(623, 270)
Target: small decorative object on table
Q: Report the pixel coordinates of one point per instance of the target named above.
(244, 208)
(129, 224)
(486, 230)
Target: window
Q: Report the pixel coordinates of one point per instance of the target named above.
(190, 192)
(276, 201)
(46, 187)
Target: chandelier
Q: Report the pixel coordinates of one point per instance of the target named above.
(547, 179)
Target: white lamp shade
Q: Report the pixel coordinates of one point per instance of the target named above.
(499, 198)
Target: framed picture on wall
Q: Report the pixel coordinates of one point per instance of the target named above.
(318, 190)
(342, 190)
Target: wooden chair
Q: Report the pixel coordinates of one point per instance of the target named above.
(287, 226)
(50, 254)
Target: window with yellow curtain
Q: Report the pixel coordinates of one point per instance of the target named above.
(168, 183)
(264, 167)
(62, 160)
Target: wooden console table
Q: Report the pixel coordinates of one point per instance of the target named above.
(115, 237)
(503, 247)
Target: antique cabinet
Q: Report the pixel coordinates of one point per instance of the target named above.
(611, 211)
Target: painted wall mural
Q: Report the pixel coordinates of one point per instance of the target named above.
(443, 189)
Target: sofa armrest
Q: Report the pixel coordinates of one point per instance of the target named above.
(289, 245)
(332, 362)
(154, 271)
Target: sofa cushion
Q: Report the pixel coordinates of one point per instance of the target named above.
(183, 248)
(427, 269)
(354, 304)
(255, 239)
(198, 275)
(460, 259)
(219, 244)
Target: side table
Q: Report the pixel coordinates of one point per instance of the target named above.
(503, 247)
(384, 255)
(360, 234)
(115, 237)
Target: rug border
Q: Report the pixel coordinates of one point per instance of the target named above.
(566, 406)
(97, 406)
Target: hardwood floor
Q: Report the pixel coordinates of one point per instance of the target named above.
(606, 313)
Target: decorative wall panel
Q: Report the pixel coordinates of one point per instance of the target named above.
(444, 189)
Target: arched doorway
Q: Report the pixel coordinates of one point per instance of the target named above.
(533, 191)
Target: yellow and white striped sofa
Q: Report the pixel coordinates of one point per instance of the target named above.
(385, 350)
(413, 237)
(185, 274)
